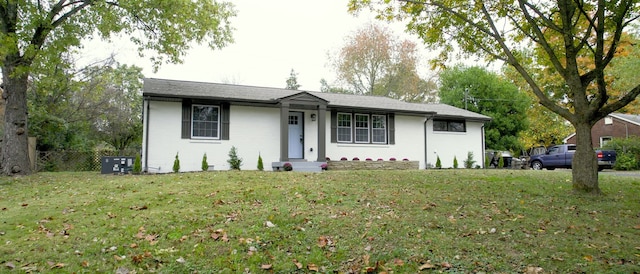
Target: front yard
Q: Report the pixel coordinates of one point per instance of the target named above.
(334, 221)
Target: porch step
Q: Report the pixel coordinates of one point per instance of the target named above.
(299, 166)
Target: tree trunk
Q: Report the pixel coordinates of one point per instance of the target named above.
(15, 150)
(585, 163)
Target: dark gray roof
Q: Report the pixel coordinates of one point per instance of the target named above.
(628, 117)
(200, 90)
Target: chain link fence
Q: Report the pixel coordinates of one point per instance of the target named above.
(55, 161)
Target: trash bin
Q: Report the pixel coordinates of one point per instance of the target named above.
(117, 165)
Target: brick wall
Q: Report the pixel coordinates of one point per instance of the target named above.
(617, 129)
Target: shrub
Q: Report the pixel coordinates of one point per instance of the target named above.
(500, 162)
(204, 166)
(176, 164)
(630, 145)
(455, 162)
(486, 162)
(234, 161)
(356, 159)
(626, 161)
(438, 163)
(343, 159)
(260, 164)
(380, 159)
(392, 159)
(327, 159)
(468, 163)
(405, 159)
(137, 165)
(368, 159)
(287, 167)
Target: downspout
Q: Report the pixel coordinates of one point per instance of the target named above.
(146, 136)
(483, 146)
(426, 153)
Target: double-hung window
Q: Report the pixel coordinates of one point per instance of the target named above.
(205, 122)
(379, 129)
(362, 128)
(344, 127)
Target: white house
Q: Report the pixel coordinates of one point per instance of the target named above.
(281, 125)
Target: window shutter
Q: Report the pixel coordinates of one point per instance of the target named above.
(392, 129)
(224, 128)
(334, 126)
(186, 119)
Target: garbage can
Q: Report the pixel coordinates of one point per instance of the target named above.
(117, 165)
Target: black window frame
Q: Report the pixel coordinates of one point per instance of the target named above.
(224, 115)
(446, 125)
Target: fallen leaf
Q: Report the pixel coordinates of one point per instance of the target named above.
(181, 260)
(9, 265)
(133, 245)
(322, 241)
(426, 266)
(85, 264)
(313, 267)
(298, 264)
(445, 265)
(533, 270)
(588, 258)
(398, 262)
(269, 224)
(266, 266)
(637, 227)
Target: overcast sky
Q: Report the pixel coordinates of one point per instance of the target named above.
(271, 38)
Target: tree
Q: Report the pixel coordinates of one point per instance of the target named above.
(33, 31)
(374, 62)
(292, 81)
(481, 91)
(564, 31)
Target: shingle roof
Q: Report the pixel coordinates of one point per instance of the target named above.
(201, 90)
(629, 117)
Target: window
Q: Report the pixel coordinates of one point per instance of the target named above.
(205, 122)
(344, 127)
(608, 120)
(379, 129)
(604, 140)
(449, 125)
(362, 128)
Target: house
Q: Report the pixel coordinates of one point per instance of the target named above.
(281, 125)
(615, 125)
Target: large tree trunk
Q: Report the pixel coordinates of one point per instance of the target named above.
(585, 163)
(15, 151)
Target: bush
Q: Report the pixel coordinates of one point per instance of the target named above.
(455, 162)
(629, 146)
(260, 164)
(137, 165)
(438, 163)
(356, 159)
(176, 164)
(205, 165)
(468, 163)
(486, 162)
(392, 159)
(234, 161)
(500, 162)
(287, 167)
(626, 161)
(324, 166)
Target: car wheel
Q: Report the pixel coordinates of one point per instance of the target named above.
(536, 165)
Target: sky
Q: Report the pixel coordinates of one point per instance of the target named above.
(271, 38)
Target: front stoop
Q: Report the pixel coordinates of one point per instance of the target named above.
(299, 166)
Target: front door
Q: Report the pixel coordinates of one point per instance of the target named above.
(296, 135)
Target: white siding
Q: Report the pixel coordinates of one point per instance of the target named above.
(458, 144)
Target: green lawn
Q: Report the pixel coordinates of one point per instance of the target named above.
(282, 222)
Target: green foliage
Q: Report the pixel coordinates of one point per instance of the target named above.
(176, 164)
(468, 163)
(455, 162)
(234, 161)
(260, 164)
(628, 152)
(479, 90)
(500, 162)
(205, 165)
(292, 81)
(626, 161)
(438, 162)
(487, 162)
(137, 165)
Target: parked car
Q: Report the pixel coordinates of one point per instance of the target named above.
(561, 156)
(494, 157)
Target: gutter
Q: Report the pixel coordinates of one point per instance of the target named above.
(483, 146)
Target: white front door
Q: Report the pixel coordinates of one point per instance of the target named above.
(296, 135)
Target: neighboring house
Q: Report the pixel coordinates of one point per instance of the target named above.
(615, 125)
(282, 125)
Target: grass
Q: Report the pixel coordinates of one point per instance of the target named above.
(341, 222)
